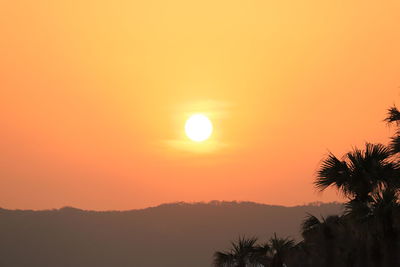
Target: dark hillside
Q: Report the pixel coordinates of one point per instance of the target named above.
(176, 235)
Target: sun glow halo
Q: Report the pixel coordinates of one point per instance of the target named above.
(198, 128)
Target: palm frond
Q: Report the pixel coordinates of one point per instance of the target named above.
(243, 245)
(357, 209)
(332, 172)
(393, 115)
(281, 245)
(377, 152)
(386, 198)
(223, 259)
(309, 223)
(395, 143)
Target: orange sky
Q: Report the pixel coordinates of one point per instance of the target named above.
(94, 96)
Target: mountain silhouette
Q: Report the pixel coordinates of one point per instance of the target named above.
(169, 235)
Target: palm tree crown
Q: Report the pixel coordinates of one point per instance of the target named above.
(393, 116)
(241, 253)
(360, 172)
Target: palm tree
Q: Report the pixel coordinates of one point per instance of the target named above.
(359, 173)
(368, 232)
(362, 176)
(262, 254)
(393, 116)
(357, 218)
(374, 227)
(280, 248)
(241, 254)
(245, 253)
(223, 259)
(321, 235)
(384, 209)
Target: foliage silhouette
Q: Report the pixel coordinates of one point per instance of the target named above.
(393, 117)
(367, 233)
(243, 253)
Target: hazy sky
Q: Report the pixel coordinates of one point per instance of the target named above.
(94, 96)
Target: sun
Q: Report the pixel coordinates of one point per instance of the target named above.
(198, 128)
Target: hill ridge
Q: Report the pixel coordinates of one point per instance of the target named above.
(168, 235)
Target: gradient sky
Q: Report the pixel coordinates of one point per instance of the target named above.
(94, 96)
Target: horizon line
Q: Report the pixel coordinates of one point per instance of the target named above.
(176, 203)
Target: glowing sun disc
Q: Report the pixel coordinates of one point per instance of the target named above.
(198, 128)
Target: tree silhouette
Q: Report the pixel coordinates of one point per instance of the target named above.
(393, 117)
(323, 232)
(359, 173)
(241, 254)
(368, 231)
(280, 248)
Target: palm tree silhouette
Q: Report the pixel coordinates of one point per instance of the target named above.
(359, 173)
(246, 253)
(241, 254)
(367, 234)
(280, 248)
(262, 255)
(321, 235)
(393, 116)
(385, 208)
(369, 178)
